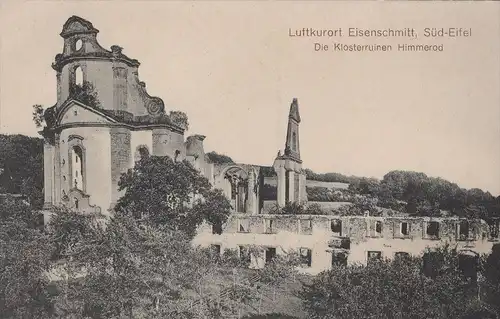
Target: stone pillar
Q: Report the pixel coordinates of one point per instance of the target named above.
(121, 155)
(302, 187)
(59, 88)
(252, 197)
(57, 171)
(281, 186)
(48, 173)
(161, 145)
(291, 186)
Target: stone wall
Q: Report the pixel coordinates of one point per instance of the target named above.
(289, 233)
(120, 159)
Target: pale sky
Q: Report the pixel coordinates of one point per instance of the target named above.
(232, 67)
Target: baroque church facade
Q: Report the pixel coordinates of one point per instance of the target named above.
(89, 145)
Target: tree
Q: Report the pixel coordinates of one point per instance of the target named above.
(21, 167)
(169, 193)
(85, 93)
(492, 278)
(126, 266)
(139, 270)
(25, 289)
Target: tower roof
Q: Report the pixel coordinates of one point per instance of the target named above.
(77, 25)
(294, 110)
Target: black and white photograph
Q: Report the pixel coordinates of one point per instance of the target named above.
(249, 159)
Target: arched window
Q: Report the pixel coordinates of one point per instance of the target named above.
(176, 156)
(76, 202)
(77, 167)
(78, 75)
(294, 141)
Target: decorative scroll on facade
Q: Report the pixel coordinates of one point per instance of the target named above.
(154, 105)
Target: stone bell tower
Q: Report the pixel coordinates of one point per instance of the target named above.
(288, 166)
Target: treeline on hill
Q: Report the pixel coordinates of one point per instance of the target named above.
(415, 194)
(408, 192)
(21, 167)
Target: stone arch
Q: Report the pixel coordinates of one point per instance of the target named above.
(236, 187)
(77, 163)
(77, 74)
(141, 151)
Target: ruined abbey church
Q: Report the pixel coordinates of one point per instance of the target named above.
(91, 141)
(88, 147)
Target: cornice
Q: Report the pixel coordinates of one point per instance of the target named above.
(131, 127)
(61, 60)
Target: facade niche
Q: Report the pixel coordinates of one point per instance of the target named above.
(77, 168)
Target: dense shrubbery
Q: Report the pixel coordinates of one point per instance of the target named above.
(140, 265)
(405, 287)
(21, 167)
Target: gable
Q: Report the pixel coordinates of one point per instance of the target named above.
(76, 114)
(75, 27)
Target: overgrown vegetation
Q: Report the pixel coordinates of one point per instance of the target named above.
(445, 286)
(21, 167)
(216, 158)
(140, 265)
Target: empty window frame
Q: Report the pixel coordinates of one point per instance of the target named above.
(373, 256)
(463, 230)
(432, 229)
(217, 228)
(339, 258)
(305, 226)
(269, 226)
(244, 253)
(401, 255)
(378, 228)
(404, 229)
(305, 257)
(216, 249)
(270, 254)
(243, 226)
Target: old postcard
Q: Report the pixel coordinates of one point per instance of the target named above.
(250, 159)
